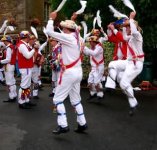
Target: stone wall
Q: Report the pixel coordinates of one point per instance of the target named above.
(15, 9)
(22, 11)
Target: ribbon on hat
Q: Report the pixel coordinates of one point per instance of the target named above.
(83, 6)
(129, 4)
(60, 5)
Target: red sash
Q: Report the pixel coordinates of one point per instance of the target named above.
(96, 62)
(63, 67)
(133, 54)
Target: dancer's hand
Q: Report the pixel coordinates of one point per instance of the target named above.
(53, 15)
(132, 15)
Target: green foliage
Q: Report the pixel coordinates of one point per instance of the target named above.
(108, 52)
(146, 17)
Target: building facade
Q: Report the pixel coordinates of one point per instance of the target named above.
(23, 11)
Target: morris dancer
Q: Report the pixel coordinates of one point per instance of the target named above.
(38, 61)
(25, 63)
(55, 63)
(70, 75)
(35, 70)
(2, 49)
(9, 67)
(120, 52)
(133, 65)
(39, 78)
(96, 54)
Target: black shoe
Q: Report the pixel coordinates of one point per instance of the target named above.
(99, 99)
(2, 82)
(24, 106)
(10, 100)
(81, 129)
(31, 104)
(132, 110)
(51, 95)
(35, 97)
(109, 90)
(91, 97)
(60, 130)
(41, 86)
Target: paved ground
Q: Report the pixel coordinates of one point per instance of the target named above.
(110, 126)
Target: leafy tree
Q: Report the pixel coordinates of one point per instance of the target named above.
(146, 17)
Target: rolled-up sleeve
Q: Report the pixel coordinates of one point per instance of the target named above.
(8, 56)
(25, 52)
(61, 37)
(98, 50)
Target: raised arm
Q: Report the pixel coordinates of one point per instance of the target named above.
(8, 56)
(24, 51)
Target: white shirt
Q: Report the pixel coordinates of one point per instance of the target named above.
(70, 47)
(8, 55)
(97, 53)
(24, 50)
(135, 40)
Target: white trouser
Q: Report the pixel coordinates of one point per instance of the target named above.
(95, 78)
(10, 80)
(115, 69)
(131, 72)
(26, 75)
(70, 85)
(94, 91)
(55, 76)
(39, 76)
(126, 71)
(1, 76)
(35, 77)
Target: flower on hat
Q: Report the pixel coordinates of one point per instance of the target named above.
(93, 39)
(6, 38)
(24, 34)
(96, 32)
(68, 24)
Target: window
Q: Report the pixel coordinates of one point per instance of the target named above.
(46, 10)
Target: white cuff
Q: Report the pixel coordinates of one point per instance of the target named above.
(115, 31)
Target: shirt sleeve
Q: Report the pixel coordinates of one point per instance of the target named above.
(109, 32)
(8, 56)
(103, 39)
(98, 50)
(24, 51)
(133, 28)
(125, 36)
(61, 37)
